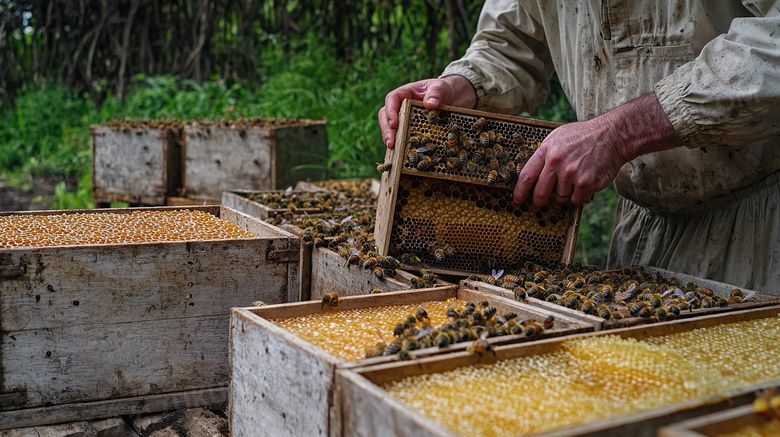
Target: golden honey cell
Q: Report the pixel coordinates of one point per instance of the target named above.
(595, 378)
(346, 334)
(112, 228)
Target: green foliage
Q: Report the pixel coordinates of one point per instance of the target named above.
(80, 199)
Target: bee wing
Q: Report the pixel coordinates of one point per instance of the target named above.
(497, 274)
(749, 296)
(484, 335)
(354, 251)
(422, 334)
(346, 219)
(501, 319)
(421, 150)
(435, 160)
(289, 189)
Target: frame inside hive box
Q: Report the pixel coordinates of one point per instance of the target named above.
(91, 331)
(285, 384)
(718, 289)
(367, 409)
(720, 423)
(253, 154)
(446, 197)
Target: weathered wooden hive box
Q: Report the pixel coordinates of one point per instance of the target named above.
(104, 330)
(348, 205)
(450, 188)
(717, 288)
(368, 409)
(136, 161)
(251, 154)
(284, 385)
(745, 419)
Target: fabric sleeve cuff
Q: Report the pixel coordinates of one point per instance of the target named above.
(669, 92)
(470, 75)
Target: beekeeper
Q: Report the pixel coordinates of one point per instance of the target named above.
(678, 102)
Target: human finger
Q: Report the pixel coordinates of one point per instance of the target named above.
(528, 177)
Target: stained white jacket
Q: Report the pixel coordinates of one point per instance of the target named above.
(714, 66)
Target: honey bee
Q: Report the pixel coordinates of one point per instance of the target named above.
(449, 251)
(635, 309)
(369, 263)
(512, 279)
(535, 291)
(484, 140)
(548, 322)
(427, 139)
(662, 313)
(506, 175)
(258, 303)
(426, 162)
(604, 312)
(481, 345)
(493, 278)
(479, 124)
(479, 155)
(453, 164)
(330, 299)
(492, 177)
(383, 167)
(489, 312)
(519, 293)
(452, 144)
(534, 330)
(498, 151)
(354, 257)
(589, 307)
(439, 254)
(433, 116)
(428, 277)
(414, 142)
(494, 164)
(463, 156)
(646, 312)
(518, 139)
(376, 291)
(736, 293)
(471, 166)
(412, 156)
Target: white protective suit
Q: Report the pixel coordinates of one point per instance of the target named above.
(710, 209)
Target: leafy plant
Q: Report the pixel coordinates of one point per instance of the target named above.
(80, 199)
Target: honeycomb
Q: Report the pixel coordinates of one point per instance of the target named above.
(477, 222)
(346, 334)
(594, 378)
(111, 228)
(455, 194)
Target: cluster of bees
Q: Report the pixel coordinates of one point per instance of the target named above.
(292, 201)
(611, 295)
(484, 154)
(471, 323)
(139, 126)
(348, 230)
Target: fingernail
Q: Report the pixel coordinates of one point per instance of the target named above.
(387, 143)
(433, 101)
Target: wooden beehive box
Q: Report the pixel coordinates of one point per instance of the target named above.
(137, 164)
(367, 409)
(249, 201)
(718, 424)
(253, 155)
(285, 385)
(420, 211)
(719, 289)
(104, 330)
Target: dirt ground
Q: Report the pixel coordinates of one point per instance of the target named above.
(40, 196)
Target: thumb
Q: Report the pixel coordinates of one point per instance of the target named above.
(438, 93)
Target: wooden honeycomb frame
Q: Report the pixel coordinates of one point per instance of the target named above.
(475, 218)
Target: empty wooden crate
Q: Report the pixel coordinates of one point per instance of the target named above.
(100, 330)
(251, 154)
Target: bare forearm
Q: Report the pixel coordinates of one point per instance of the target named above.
(579, 159)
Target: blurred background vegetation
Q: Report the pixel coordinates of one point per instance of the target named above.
(68, 64)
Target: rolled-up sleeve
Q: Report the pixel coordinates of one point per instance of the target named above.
(508, 61)
(730, 94)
